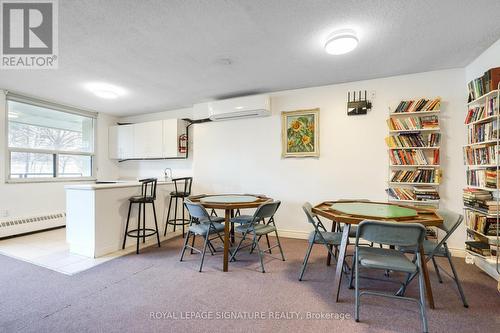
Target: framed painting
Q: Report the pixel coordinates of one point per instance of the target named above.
(300, 133)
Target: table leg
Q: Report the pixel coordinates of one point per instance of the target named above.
(340, 261)
(428, 288)
(329, 256)
(226, 239)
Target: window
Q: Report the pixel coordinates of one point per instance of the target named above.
(45, 142)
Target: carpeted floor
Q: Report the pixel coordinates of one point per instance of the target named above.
(153, 292)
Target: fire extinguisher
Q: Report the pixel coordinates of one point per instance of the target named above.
(183, 143)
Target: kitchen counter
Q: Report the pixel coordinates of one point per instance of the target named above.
(111, 185)
(96, 215)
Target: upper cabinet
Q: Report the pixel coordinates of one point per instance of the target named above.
(148, 140)
(121, 142)
(154, 139)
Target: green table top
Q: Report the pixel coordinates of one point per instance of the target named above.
(373, 209)
(229, 199)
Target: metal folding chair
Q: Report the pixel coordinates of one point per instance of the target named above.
(257, 230)
(409, 235)
(451, 221)
(319, 236)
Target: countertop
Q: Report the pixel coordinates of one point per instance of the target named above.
(104, 186)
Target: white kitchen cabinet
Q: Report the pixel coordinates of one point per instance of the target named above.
(148, 139)
(154, 139)
(121, 142)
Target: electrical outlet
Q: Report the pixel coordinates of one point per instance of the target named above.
(4, 213)
(372, 95)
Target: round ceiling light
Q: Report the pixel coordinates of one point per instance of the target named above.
(341, 42)
(105, 90)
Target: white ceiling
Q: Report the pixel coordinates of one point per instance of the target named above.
(171, 54)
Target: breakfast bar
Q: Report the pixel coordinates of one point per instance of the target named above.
(96, 214)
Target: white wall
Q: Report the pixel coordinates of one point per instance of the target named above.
(43, 198)
(245, 155)
(488, 59)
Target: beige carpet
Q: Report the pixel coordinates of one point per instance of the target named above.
(154, 292)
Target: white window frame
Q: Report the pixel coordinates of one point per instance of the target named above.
(56, 107)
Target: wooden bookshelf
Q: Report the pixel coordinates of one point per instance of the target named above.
(482, 117)
(411, 125)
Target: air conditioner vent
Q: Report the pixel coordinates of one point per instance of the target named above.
(21, 225)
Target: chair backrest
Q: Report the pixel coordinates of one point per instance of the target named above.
(187, 183)
(451, 220)
(148, 187)
(266, 210)
(196, 210)
(307, 207)
(391, 233)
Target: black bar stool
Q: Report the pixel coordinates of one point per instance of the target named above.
(186, 192)
(148, 195)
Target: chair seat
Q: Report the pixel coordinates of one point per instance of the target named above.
(428, 246)
(388, 259)
(202, 228)
(260, 229)
(352, 231)
(215, 219)
(180, 194)
(242, 219)
(142, 199)
(331, 238)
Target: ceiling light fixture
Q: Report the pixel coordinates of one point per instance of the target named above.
(105, 90)
(341, 42)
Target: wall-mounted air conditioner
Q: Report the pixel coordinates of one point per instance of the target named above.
(234, 108)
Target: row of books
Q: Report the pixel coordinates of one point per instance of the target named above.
(481, 223)
(413, 140)
(484, 84)
(413, 157)
(480, 155)
(420, 105)
(478, 247)
(418, 193)
(482, 132)
(413, 123)
(416, 176)
(485, 110)
(482, 178)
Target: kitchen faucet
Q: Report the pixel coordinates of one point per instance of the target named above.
(168, 175)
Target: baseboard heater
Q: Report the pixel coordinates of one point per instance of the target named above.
(24, 225)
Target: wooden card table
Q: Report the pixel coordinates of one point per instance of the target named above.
(229, 202)
(353, 212)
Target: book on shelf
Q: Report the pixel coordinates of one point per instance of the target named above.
(486, 178)
(483, 111)
(482, 132)
(403, 140)
(480, 222)
(483, 249)
(415, 194)
(413, 157)
(421, 175)
(413, 123)
(420, 105)
(486, 155)
(484, 84)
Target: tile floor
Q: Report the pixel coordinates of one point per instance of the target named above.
(50, 250)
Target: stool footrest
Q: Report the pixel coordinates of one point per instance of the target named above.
(178, 221)
(139, 233)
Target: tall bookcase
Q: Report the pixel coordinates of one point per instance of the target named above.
(481, 197)
(413, 148)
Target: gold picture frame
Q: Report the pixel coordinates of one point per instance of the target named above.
(300, 133)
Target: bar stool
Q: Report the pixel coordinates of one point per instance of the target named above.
(186, 192)
(148, 195)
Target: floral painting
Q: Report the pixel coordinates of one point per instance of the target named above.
(300, 133)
